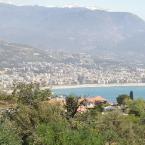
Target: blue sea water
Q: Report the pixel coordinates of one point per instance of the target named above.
(110, 93)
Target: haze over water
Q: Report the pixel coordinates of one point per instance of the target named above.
(110, 93)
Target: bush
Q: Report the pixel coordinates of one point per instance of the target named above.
(8, 136)
(122, 99)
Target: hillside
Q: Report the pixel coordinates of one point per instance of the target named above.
(13, 54)
(73, 29)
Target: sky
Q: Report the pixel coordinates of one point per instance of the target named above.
(134, 6)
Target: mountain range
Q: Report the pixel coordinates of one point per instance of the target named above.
(73, 30)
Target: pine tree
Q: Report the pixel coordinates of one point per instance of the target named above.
(131, 95)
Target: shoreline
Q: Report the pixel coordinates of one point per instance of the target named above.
(98, 86)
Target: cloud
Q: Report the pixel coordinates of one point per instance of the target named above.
(17, 2)
(7, 1)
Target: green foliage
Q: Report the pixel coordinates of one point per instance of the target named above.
(122, 99)
(27, 115)
(8, 136)
(30, 94)
(72, 105)
(34, 121)
(99, 108)
(5, 97)
(137, 108)
(61, 134)
(131, 95)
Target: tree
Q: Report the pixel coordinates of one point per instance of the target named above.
(72, 105)
(26, 115)
(137, 108)
(30, 94)
(131, 95)
(122, 99)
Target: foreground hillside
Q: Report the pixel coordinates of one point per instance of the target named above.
(73, 29)
(35, 119)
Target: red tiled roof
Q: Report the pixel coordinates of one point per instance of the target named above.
(96, 99)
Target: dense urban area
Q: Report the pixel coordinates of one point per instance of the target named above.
(72, 69)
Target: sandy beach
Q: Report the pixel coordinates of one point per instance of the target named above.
(99, 85)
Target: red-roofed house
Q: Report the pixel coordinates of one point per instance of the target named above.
(93, 101)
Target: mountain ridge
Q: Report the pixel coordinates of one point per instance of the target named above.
(72, 29)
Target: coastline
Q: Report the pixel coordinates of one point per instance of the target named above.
(98, 86)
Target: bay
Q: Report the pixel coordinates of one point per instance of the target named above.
(110, 93)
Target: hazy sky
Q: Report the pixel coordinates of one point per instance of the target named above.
(134, 6)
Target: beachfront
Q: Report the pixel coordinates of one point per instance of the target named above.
(98, 85)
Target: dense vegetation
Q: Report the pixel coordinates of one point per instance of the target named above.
(32, 120)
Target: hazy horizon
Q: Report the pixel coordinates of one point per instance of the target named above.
(132, 6)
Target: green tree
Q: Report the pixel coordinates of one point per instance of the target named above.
(131, 95)
(30, 94)
(26, 116)
(71, 106)
(122, 99)
(137, 107)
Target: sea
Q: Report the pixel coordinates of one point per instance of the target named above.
(109, 93)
